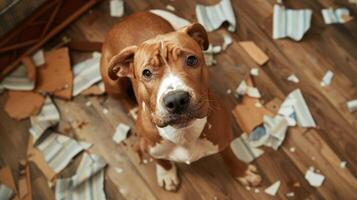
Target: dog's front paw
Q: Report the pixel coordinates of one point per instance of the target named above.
(167, 179)
(250, 177)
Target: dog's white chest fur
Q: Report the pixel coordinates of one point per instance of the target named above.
(183, 145)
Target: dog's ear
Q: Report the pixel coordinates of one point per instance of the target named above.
(198, 33)
(121, 65)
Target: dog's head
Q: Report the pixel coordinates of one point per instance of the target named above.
(170, 75)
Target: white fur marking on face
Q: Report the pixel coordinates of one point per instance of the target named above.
(170, 83)
(167, 178)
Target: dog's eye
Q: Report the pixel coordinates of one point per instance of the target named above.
(147, 73)
(191, 61)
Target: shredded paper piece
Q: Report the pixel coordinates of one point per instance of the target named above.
(176, 21)
(352, 105)
(295, 109)
(18, 80)
(293, 78)
(38, 58)
(212, 17)
(245, 89)
(58, 150)
(332, 17)
(5, 192)
(327, 79)
(254, 72)
(48, 116)
(290, 23)
(273, 189)
(87, 183)
(121, 133)
(170, 8)
(314, 178)
(116, 8)
(243, 150)
(227, 41)
(86, 74)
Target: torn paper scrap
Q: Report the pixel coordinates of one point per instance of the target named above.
(87, 183)
(212, 17)
(58, 150)
(245, 89)
(290, 22)
(175, 21)
(227, 41)
(255, 52)
(253, 92)
(47, 117)
(294, 106)
(22, 104)
(338, 16)
(314, 178)
(352, 105)
(86, 73)
(96, 89)
(254, 71)
(116, 8)
(133, 113)
(170, 8)
(272, 134)
(18, 80)
(56, 76)
(5, 192)
(121, 133)
(326, 80)
(38, 58)
(293, 78)
(273, 189)
(243, 151)
(343, 164)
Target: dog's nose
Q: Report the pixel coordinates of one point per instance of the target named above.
(177, 101)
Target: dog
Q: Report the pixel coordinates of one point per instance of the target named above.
(179, 118)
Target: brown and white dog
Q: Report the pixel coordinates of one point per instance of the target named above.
(179, 118)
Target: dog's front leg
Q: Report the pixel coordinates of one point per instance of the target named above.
(245, 174)
(166, 173)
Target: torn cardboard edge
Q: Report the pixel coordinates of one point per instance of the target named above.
(18, 80)
(20, 105)
(38, 58)
(243, 151)
(292, 23)
(175, 21)
(339, 15)
(254, 52)
(121, 133)
(7, 179)
(212, 17)
(86, 73)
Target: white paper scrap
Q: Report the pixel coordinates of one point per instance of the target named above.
(296, 102)
(326, 80)
(91, 187)
(273, 189)
(175, 21)
(331, 17)
(227, 41)
(5, 192)
(58, 150)
(86, 74)
(343, 164)
(243, 151)
(313, 178)
(38, 58)
(352, 105)
(290, 23)
(254, 71)
(212, 17)
(116, 8)
(18, 80)
(253, 92)
(290, 194)
(47, 117)
(293, 78)
(170, 8)
(121, 133)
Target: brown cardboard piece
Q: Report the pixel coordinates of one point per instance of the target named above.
(93, 90)
(255, 52)
(20, 104)
(7, 179)
(34, 155)
(30, 66)
(56, 76)
(247, 114)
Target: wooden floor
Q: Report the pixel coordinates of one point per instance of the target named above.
(324, 47)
